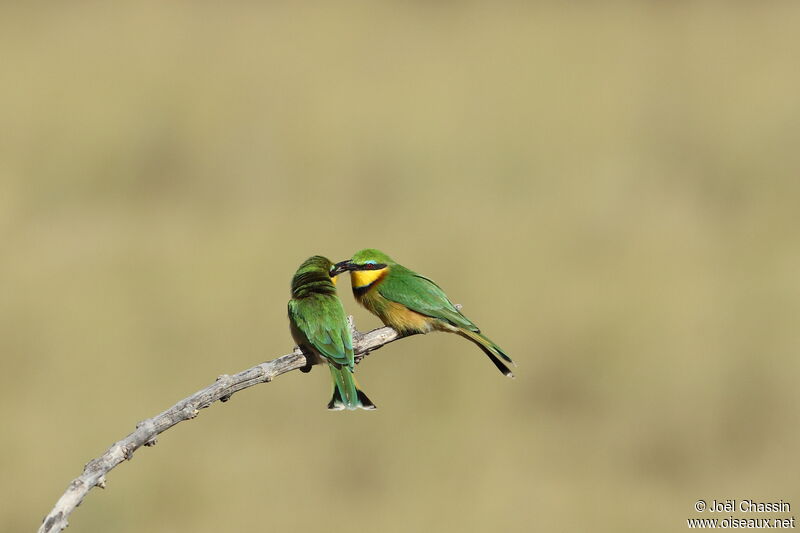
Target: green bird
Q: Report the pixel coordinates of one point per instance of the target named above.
(319, 327)
(411, 303)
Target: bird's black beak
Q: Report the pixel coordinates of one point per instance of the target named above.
(343, 266)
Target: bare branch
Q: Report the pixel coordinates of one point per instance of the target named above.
(146, 431)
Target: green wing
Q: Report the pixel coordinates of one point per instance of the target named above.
(321, 319)
(422, 295)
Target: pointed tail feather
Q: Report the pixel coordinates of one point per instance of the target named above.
(366, 403)
(346, 394)
(490, 349)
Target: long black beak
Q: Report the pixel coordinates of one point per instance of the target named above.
(343, 266)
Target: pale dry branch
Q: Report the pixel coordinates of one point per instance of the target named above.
(146, 431)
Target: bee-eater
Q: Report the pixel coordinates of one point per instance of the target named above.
(411, 303)
(320, 329)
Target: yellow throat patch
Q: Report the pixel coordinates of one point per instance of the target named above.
(365, 278)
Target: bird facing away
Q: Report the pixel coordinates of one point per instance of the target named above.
(411, 303)
(319, 327)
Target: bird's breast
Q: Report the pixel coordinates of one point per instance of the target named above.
(405, 320)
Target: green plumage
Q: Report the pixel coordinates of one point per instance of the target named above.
(422, 295)
(412, 303)
(319, 327)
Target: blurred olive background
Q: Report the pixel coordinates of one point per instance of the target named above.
(610, 190)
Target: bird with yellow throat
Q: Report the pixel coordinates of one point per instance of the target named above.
(412, 303)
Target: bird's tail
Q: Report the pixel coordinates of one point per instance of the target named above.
(346, 394)
(489, 348)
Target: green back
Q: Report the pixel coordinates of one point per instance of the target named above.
(422, 295)
(322, 320)
(317, 313)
